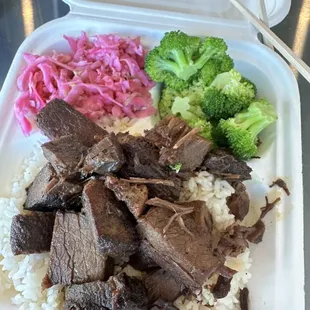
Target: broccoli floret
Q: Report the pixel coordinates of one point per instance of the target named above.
(193, 95)
(227, 95)
(205, 127)
(191, 112)
(242, 130)
(213, 67)
(181, 56)
(246, 80)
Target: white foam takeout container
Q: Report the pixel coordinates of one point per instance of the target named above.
(278, 264)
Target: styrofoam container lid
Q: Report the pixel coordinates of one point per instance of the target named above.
(223, 9)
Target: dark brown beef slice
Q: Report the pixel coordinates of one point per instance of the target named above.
(48, 193)
(58, 119)
(221, 288)
(134, 195)
(115, 234)
(162, 285)
(127, 293)
(162, 305)
(93, 295)
(167, 132)
(65, 154)
(220, 162)
(142, 260)
(32, 233)
(239, 202)
(118, 293)
(104, 157)
(189, 258)
(256, 232)
(142, 161)
(244, 299)
(74, 256)
(235, 239)
(190, 152)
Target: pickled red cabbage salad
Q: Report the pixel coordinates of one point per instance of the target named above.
(101, 75)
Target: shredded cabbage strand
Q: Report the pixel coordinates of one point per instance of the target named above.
(102, 75)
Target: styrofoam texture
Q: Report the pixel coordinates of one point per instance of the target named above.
(278, 268)
(197, 9)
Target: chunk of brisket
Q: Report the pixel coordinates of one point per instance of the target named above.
(222, 287)
(58, 119)
(31, 233)
(167, 132)
(223, 164)
(239, 202)
(65, 154)
(190, 256)
(142, 260)
(162, 285)
(118, 293)
(189, 151)
(142, 161)
(104, 157)
(162, 305)
(48, 193)
(114, 232)
(74, 256)
(244, 299)
(178, 143)
(134, 195)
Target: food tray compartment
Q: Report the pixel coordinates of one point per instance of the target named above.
(277, 270)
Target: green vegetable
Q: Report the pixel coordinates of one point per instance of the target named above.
(213, 67)
(179, 57)
(194, 97)
(176, 167)
(190, 111)
(242, 130)
(227, 95)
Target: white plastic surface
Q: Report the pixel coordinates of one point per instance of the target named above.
(278, 272)
(201, 9)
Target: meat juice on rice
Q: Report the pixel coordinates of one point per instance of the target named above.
(22, 275)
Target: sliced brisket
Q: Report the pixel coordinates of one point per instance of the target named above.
(32, 233)
(162, 305)
(104, 157)
(244, 299)
(115, 233)
(58, 119)
(188, 257)
(239, 202)
(222, 287)
(167, 132)
(65, 155)
(134, 195)
(189, 151)
(118, 293)
(48, 193)
(221, 163)
(162, 285)
(74, 257)
(142, 161)
(142, 260)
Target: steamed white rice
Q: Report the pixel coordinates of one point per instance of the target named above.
(21, 276)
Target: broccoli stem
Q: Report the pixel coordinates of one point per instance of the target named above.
(252, 123)
(204, 57)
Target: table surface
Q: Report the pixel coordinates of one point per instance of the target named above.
(294, 31)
